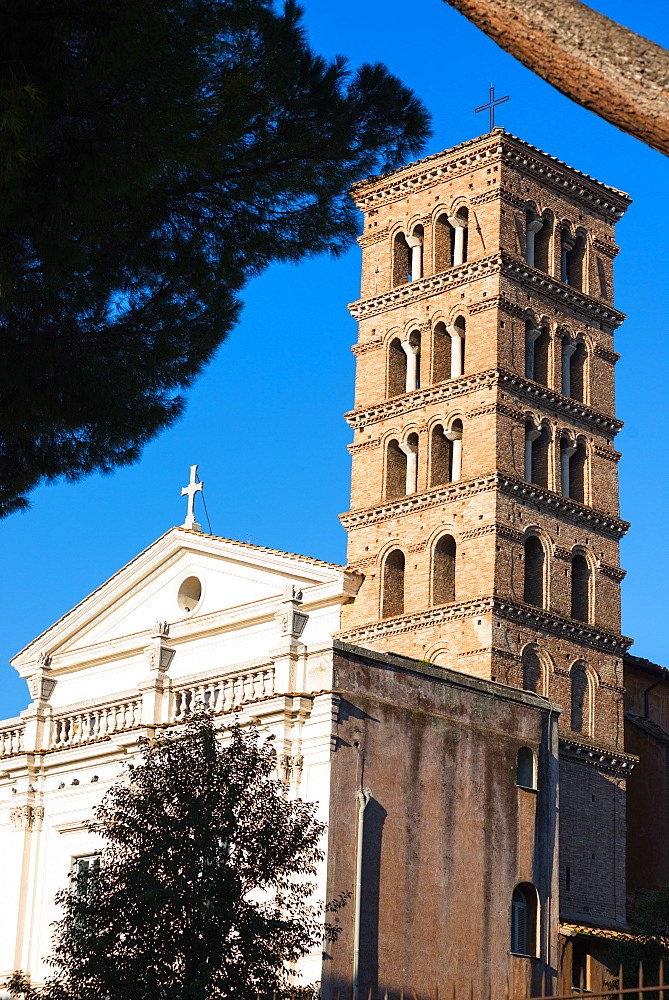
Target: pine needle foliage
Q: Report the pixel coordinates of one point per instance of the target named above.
(202, 891)
(154, 155)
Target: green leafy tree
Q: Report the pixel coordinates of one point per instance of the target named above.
(647, 943)
(202, 890)
(155, 154)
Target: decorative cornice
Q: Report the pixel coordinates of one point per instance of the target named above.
(498, 302)
(538, 619)
(519, 270)
(603, 758)
(490, 378)
(497, 407)
(610, 454)
(560, 553)
(560, 625)
(370, 345)
(372, 236)
(615, 572)
(518, 489)
(607, 354)
(355, 449)
(603, 246)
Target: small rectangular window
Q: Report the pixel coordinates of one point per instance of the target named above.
(84, 871)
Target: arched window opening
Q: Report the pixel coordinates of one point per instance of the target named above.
(410, 449)
(401, 260)
(542, 346)
(533, 225)
(441, 353)
(580, 588)
(540, 458)
(397, 368)
(577, 373)
(454, 435)
(460, 223)
(396, 471)
(575, 257)
(412, 350)
(392, 602)
(532, 333)
(577, 463)
(415, 244)
(532, 672)
(579, 699)
(534, 576)
(443, 571)
(542, 244)
(525, 776)
(444, 242)
(567, 449)
(440, 457)
(524, 919)
(457, 333)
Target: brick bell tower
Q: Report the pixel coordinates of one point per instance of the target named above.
(484, 500)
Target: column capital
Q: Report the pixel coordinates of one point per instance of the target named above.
(535, 225)
(414, 241)
(410, 348)
(453, 434)
(533, 334)
(458, 222)
(532, 433)
(409, 449)
(455, 331)
(568, 348)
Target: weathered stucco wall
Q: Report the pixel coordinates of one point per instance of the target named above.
(447, 833)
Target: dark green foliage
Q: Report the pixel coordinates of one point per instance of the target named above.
(155, 154)
(648, 942)
(202, 890)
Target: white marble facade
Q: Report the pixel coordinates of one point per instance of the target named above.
(193, 617)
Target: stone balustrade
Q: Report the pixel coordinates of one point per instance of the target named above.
(223, 694)
(94, 724)
(11, 738)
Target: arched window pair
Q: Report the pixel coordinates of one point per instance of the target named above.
(451, 239)
(524, 915)
(443, 577)
(448, 350)
(408, 256)
(404, 365)
(538, 232)
(573, 461)
(574, 356)
(572, 257)
(446, 453)
(535, 580)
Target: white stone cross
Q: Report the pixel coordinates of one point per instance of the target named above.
(190, 492)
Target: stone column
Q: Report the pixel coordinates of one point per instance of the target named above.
(567, 449)
(455, 437)
(159, 656)
(416, 245)
(412, 352)
(457, 338)
(568, 348)
(459, 247)
(411, 452)
(530, 435)
(567, 244)
(532, 227)
(289, 654)
(530, 337)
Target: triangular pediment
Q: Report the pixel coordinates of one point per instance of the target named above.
(183, 578)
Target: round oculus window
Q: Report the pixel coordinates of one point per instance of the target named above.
(189, 594)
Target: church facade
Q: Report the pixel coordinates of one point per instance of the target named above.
(453, 698)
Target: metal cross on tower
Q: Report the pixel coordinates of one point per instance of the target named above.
(190, 492)
(491, 105)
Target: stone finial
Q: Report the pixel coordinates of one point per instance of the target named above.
(161, 630)
(40, 685)
(291, 621)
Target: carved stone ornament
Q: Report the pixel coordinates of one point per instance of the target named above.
(291, 621)
(40, 685)
(27, 817)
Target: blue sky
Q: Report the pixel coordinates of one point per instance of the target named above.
(265, 421)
